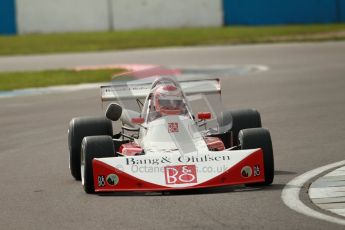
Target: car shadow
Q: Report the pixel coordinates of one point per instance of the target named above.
(282, 172)
(205, 191)
(224, 189)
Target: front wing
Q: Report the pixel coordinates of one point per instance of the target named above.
(164, 171)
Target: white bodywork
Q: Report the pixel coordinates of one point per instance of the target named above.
(184, 139)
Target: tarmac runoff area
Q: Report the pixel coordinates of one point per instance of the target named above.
(327, 192)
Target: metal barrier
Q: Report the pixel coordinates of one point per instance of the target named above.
(7, 17)
(270, 12)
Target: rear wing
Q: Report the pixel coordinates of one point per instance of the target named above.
(140, 89)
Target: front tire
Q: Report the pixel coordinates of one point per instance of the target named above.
(79, 128)
(260, 138)
(93, 147)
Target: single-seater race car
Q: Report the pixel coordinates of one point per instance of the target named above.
(173, 134)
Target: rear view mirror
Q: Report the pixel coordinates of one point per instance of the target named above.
(113, 112)
(204, 115)
(138, 120)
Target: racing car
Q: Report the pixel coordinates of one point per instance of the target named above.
(172, 136)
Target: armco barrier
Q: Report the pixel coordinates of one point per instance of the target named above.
(270, 12)
(341, 10)
(46, 16)
(51, 16)
(130, 14)
(7, 17)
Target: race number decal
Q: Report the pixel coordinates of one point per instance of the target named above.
(257, 170)
(101, 181)
(173, 127)
(180, 174)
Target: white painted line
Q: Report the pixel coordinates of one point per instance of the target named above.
(262, 67)
(48, 90)
(291, 191)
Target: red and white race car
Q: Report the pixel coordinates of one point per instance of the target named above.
(173, 135)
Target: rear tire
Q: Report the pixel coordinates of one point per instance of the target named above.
(260, 138)
(244, 119)
(93, 147)
(233, 121)
(225, 123)
(79, 128)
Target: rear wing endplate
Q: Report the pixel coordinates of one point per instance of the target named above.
(140, 89)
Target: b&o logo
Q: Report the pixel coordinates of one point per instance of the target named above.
(173, 127)
(180, 174)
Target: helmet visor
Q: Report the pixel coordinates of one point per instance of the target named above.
(173, 103)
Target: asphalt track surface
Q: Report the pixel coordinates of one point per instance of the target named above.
(301, 100)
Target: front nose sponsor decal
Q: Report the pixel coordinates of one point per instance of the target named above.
(246, 171)
(180, 174)
(112, 179)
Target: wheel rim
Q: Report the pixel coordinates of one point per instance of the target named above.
(82, 167)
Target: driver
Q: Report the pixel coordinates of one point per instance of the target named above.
(168, 100)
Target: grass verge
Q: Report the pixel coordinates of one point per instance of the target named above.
(33, 79)
(117, 40)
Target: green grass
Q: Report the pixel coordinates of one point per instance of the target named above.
(21, 80)
(97, 41)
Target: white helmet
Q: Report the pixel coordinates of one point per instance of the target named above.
(168, 100)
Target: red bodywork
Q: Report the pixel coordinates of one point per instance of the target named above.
(132, 149)
(214, 143)
(232, 176)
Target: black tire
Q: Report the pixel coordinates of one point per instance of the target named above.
(225, 123)
(233, 121)
(79, 128)
(93, 147)
(260, 138)
(244, 119)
